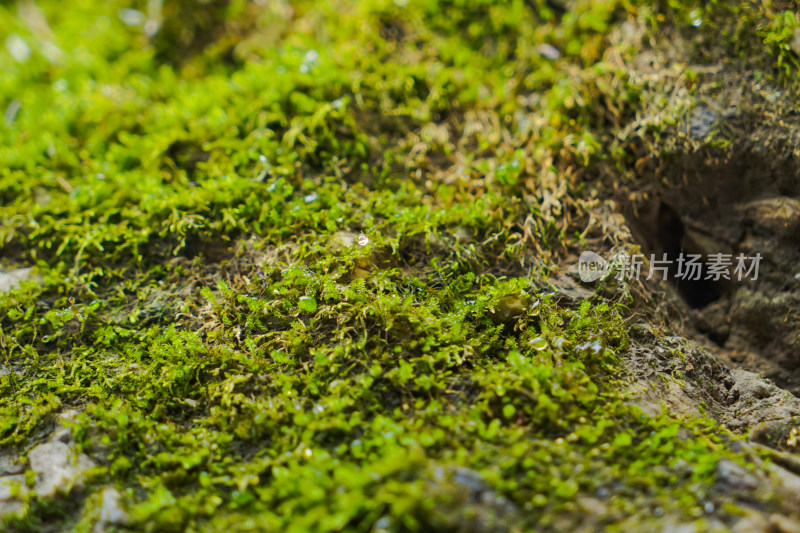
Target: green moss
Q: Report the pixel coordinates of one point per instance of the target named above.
(239, 356)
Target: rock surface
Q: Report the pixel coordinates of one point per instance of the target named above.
(111, 512)
(10, 280)
(57, 465)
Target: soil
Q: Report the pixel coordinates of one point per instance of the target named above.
(747, 206)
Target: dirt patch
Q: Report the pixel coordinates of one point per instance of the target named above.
(745, 207)
(689, 380)
(714, 169)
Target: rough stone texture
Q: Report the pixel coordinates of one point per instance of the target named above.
(788, 486)
(8, 502)
(783, 524)
(111, 512)
(10, 280)
(732, 476)
(739, 399)
(754, 523)
(10, 464)
(701, 122)
(58, 468)
(466, 489)
(746, 403)
(795, 43)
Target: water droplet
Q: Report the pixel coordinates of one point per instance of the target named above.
(548, 51)
(308, 452)
(384, 523)
(18, 48)
(131, 17)
(307, 303)
(12, 110)
(363, 240)
(592, 346)
(696, 17)
(151, 27)
(60, 85)
(538, 344)
(313, 197)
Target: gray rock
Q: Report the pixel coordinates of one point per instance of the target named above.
(8, 502)
(701, 122)
(472, 505)
(7, 484)
(58, 467)
(788, 486)
(795, 44)
(470, 480)
(784, 524)
(671, 527)
(10, 464)
(10, 280)
(111, 512)
(780, 214)
(733, 476)
(753, 523)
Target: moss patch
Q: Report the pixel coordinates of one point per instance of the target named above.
(295, 262)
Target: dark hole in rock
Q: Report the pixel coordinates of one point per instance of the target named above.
(744, 202)
(663, 235)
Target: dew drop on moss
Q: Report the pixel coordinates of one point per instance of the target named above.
(696, 18)
(307, 304)
(593, 347)
(538, 344)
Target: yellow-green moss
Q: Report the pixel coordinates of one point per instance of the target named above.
(240, 360)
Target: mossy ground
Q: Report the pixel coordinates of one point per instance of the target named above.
(293, 260)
